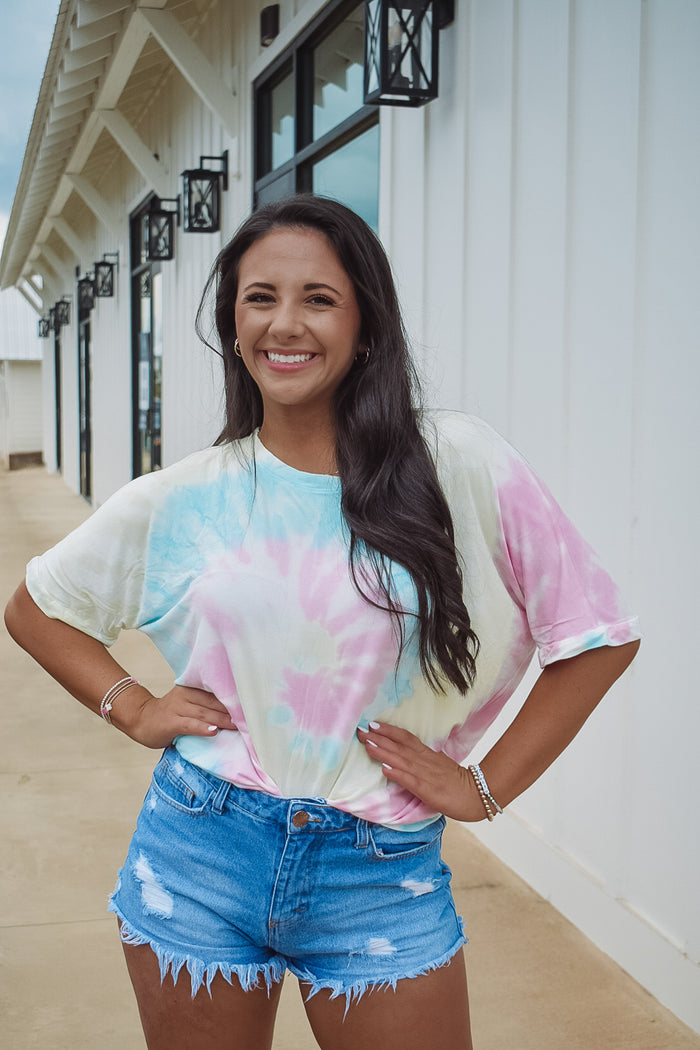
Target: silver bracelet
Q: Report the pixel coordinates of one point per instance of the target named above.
(107, 701)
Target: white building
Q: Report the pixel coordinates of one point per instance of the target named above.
(542, 218)
(21, 416)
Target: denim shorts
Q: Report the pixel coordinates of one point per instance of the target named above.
(219, 879)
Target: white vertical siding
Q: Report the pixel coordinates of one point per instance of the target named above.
(4, 414)
(665, 469)
(558, 243)
(23, 389)
(70, 459)
(539, 231)
(49, 406)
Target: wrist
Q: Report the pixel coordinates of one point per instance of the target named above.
(127, 711)
(474, 811)
(490, 807)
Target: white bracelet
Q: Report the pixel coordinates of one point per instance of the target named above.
(483, 789)
(107, 701)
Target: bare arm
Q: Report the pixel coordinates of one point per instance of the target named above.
(559, 703)
(84, 667)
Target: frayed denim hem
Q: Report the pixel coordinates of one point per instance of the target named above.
(201, 973)
(355, 991)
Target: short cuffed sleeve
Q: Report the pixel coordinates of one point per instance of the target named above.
(551, 572)
(93, 579)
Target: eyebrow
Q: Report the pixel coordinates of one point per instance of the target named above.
(312, 287)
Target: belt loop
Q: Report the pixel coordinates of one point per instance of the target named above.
(221, 796)
(362, 836)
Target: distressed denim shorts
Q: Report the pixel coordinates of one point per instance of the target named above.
(222, 879)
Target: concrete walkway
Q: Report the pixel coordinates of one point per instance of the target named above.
(72, 788)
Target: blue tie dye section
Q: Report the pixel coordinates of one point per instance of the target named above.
(195, 523)
(312, 512)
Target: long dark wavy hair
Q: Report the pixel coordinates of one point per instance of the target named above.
(391, 496)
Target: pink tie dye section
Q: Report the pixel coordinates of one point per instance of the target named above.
(551, 572)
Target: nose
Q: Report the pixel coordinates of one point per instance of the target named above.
(286, 321)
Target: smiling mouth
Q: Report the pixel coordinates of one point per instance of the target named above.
(287, 359)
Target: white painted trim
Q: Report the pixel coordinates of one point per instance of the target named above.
(62, 109)
(630, 938)
(192, 64)
(49, 291)
(126, 55)
(99, 29)
(89, 11)
(29, 279)
(95, 201)
(131, 143)
(78, 77)
(84, 56)
(67, 234)
(55, 261)
(285, 37)
(32, 302)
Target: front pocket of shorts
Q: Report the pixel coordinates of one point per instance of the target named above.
(182, 785)
(385, 844)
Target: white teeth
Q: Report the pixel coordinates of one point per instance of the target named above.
(288, 359)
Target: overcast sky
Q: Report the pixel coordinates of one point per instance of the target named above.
(25, 37)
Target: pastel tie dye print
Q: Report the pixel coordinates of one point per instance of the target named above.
(236, 565)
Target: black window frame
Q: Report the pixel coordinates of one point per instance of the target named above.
(298, 60)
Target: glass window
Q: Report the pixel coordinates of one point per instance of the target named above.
(313, 131)
(351, 176)
(338, 74)
(282, 121)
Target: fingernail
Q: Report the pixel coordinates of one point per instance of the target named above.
(371, 743)
(213, 729)
(386, 766)
(374, 725)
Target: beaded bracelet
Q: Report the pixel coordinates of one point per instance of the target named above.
(484, 793)
(107, 701)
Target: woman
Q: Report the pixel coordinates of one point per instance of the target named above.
(348, 590)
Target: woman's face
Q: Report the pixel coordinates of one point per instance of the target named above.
(297, 319)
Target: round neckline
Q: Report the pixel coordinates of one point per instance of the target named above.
(293, 474)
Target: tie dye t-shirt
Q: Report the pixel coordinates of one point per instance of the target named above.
(236, 565)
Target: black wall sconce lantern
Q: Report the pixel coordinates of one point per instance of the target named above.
(201, 195)
(86, 293)
(61, 313)
(44, 327)
(104, 275)
(269, 24)
(401, 50)
(162, 215)
(52, 320)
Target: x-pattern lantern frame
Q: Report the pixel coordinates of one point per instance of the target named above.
(61, 316)
(402, 50)
(162, 216)
(201, 195)
(104, 275)
(86, 293)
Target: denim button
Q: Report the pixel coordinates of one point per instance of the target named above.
(300, 819)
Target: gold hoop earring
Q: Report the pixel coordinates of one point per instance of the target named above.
(363, 357)
(237, 349)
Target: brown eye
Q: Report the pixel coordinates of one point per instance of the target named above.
(258, 297)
